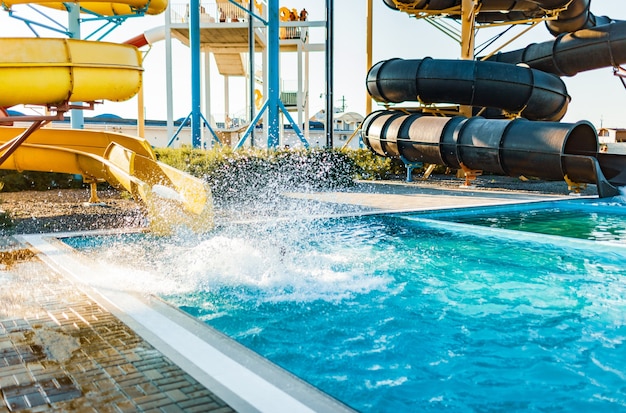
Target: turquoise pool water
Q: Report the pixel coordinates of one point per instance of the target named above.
(574, 219)
(401, 313)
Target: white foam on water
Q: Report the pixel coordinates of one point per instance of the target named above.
(136, 280)
(167, 193)
(275, 270)
(262, 268)
(617, 200)
(386, 383)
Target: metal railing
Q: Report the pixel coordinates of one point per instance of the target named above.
(226, 12)
(290, 33)
(220, 12)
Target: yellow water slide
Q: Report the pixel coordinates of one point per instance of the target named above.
(51, 72)
(173, 198)
(43, 71)
(105, 7)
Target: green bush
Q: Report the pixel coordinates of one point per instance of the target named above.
(234, 175)
(363, 163)
(374, 167)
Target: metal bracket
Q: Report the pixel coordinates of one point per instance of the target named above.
(620, 72)
(470, 174)
(574, 186)
(9, 147)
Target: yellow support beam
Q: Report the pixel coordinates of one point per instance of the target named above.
(368, 50)
(469, 8)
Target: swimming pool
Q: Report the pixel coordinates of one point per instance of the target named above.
(404, 312)
(584, 219)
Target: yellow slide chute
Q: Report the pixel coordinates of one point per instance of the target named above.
(42, 71)
(105, 7)
(173, 198)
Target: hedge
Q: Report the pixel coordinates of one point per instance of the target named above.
(242, 173)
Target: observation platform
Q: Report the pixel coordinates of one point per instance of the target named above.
(221, 37)
(227, 42)
(227, 36)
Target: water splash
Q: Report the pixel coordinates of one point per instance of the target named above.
(269, 271)
(264, 263)
(167, 193)
(621, 198)
(617, 200)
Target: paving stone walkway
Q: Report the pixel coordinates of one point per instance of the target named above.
(61, 351)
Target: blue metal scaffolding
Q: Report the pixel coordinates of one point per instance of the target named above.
(272, 105)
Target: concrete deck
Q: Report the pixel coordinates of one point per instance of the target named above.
(399, 196)
(67, 346)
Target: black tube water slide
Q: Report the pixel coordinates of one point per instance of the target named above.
(572, 53)
(547, 149)
(531, 93)
(576, 16)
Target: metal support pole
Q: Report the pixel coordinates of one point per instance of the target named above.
(299, 94)
(141, 118)
(168, 71)
(76, 115)
(194, 46)
(273, 84)
(468, 28)
(207, 92)
(251, 69)
(368, 50)
(226, 101)
(306, 95)
(266, 77)
(273, 106)
(329, 74)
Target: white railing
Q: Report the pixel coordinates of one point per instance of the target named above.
(233, 120)
(224, 12)
(290, 33)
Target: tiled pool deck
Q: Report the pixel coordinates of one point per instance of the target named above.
(64, 348)
(61, 350)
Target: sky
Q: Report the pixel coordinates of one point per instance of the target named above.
(597, 96)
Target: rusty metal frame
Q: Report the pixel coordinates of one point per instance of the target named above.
(9, 147)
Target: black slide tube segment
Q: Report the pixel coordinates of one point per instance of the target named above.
(514, 89)
(569, 54)
(507, 147)
(486, 5)
(614, 167)
(576, 16)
